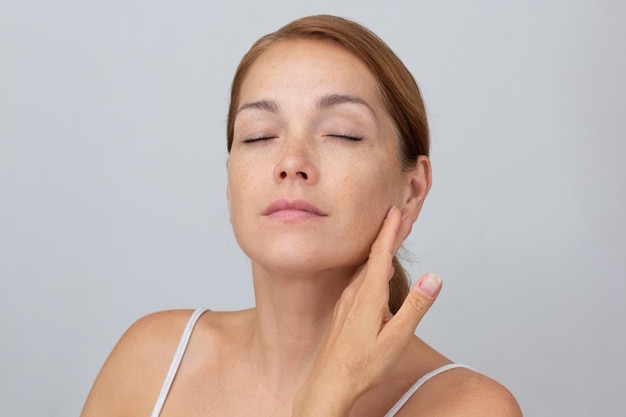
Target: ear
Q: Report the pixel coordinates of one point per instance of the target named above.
(418, 182)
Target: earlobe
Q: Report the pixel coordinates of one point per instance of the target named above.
(419, 180)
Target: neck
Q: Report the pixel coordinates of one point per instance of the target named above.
(293, 315)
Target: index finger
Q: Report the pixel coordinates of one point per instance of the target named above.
(384, 247)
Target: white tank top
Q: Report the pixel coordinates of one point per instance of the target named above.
(184, 341)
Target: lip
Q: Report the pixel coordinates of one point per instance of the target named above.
(292, 209)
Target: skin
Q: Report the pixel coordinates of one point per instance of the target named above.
(321, 340)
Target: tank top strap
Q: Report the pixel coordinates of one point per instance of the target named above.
(407, 395)
(178, 357)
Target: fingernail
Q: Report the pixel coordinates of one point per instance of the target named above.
(390, 211)
(430, 285)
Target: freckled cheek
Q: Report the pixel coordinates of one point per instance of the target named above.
(241, 190)
(370, 197)
(242, 215)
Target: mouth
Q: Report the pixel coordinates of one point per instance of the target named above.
(292, 210)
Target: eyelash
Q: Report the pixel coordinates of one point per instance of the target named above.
(348, 137)
(252, 140)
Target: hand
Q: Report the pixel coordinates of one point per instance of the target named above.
(365, 340)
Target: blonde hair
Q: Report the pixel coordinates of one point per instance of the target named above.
(399, 94)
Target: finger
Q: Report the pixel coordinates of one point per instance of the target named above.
(406, 224)
(421, 297)
(385, 241)
(383, 248)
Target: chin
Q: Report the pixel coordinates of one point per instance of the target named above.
(303, 250)
(291, 259)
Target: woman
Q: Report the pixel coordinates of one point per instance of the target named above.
(328, 170)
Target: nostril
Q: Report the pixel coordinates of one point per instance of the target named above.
(304, 175)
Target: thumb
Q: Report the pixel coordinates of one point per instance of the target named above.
(421, 296)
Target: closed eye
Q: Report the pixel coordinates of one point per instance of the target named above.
(347, 137)
(259, 139)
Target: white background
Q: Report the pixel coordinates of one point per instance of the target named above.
(112, 184)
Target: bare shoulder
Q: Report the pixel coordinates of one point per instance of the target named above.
(462, 392)
(131, 377)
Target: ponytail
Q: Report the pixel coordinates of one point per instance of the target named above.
(398, 286)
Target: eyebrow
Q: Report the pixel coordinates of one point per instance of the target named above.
(326, 101)
(335, 99)
(267, 105)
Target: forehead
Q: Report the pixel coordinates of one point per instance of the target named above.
(308, 66)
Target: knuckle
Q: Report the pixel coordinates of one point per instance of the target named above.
(418, 304)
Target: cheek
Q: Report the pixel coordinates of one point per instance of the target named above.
(237, 190)
(370, 192)
(375, 188)
(240, 213)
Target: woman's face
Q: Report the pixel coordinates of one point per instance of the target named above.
(314, 165)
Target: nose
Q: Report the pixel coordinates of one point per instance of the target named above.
(296, 163)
